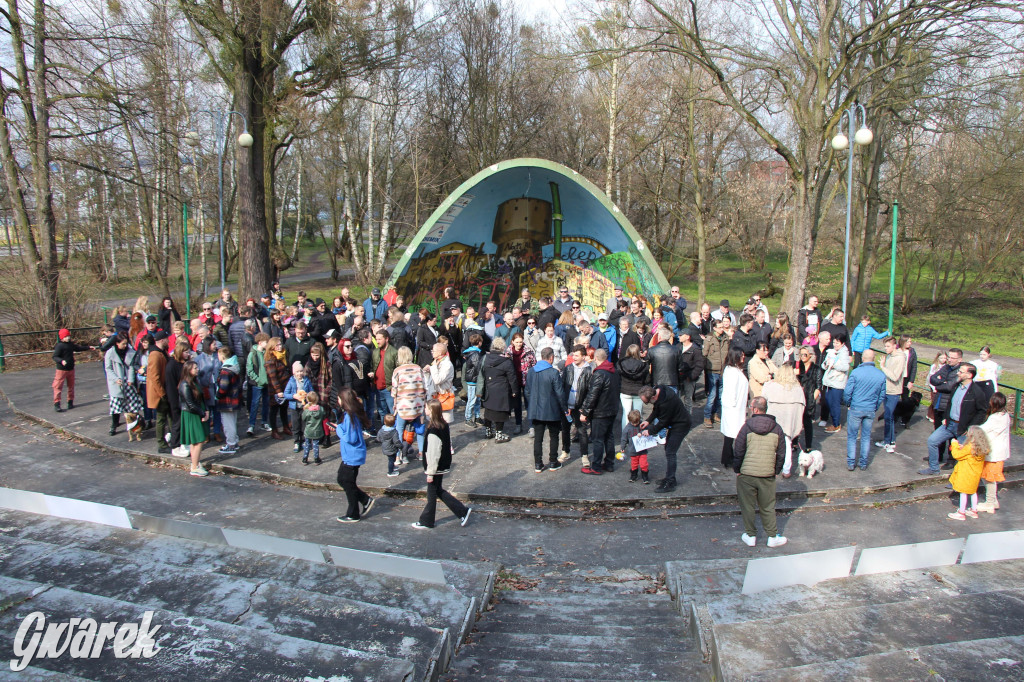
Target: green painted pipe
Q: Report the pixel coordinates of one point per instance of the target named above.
(892, 264)
(556, 219)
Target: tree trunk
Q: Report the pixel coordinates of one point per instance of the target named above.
(298, 211)
(254, 249)
(109, 209)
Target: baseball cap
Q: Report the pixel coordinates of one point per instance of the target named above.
(375, 292)
(160, 335)
(331, 333)
(618, 287)
(266, 295)
(603, 316)
(724, 303)
(63, 334)
(151, 318)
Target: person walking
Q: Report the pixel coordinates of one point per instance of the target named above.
(669, 413)
(599, 408)
(437, 461)
(864, 394)
(353, 455)
(545, 396)
(735, 391)
(758, 457)
(195, 418)
(786, 402)
(64, 357)
(119, 363)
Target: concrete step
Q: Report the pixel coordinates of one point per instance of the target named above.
(263, 606)
(610, 669)
(440, 606)
(979, 660)
(37, 674)
(642, 615)
(635, 650)
(846, 633)
(573, 644)
(190, 647)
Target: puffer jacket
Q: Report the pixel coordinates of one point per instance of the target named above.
(470, 364)
(602, 399)
(760, 448)
(633, 374)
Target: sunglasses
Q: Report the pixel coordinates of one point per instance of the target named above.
(575, 307)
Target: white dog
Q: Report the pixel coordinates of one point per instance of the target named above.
(811, 463)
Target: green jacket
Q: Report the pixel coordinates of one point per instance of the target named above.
(716, 348)
(313, 423)
(255, 370)
(390, 362)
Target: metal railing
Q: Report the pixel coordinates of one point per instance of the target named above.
(4, 355)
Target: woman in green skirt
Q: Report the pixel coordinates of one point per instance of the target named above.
(194, 416)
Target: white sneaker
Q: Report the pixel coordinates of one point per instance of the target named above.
(266, 427)
(465, 519)
(180, 451)
(749, 540)
(891, 447)
(879, 444)
(821, 424)
(564, 457)
(777, 541)
(199, 471)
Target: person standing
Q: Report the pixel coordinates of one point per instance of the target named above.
(64, 357)
(968, 406)
(692, 368)
(437, 461)
(195, 418)
(576, 382)
(440, 376)
(894, 366)
(523, 358)
(786, 402)
(353, 455)
(376, 307)
(862, 336)
(385, 360)
(471, 358)
(988, 371)
(715, 351)
(173, 375)
(809, 374)
(229, 398)
(759, 454)
(669, 414)
(864, 394)
(634, 373)
(735, 392)
(119, 363)
(497, 384)
(997, 430)
(275, 361)
(599, 408)
(836, 365)
(808, 316)
(409, 391)
(547, 405)
(156, 390)
(760, 369)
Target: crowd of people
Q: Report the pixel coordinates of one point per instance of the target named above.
(305, 370)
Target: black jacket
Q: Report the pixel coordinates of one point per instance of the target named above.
(761, 332)
(549, 314)
(470, 366)
(633, 374)
(625, 341)
(810, 381)
(669, 411)
(582, 387)
(172, 377)
(973, 409)
(945, 382)
(801, 322)
(425, 340)
(695, 335)
(500, 381)
(321, 324)
(298, 350)
(400, 336)
(545, 394)
(775, 342)
(666, 364)
(64, 352)
(168, 316)
(188, 402)
(693, 362)
(602, 399)
(745, 341)
(837, 331)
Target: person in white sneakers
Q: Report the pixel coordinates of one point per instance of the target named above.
(894, 366)
(759, 453)
(997, 429)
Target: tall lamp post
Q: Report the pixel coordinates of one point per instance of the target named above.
(863, 137)
(220, 121)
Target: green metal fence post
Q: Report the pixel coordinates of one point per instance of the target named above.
(892, 265)
(3, 366)
(1016, 409)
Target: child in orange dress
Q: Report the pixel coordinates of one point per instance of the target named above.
(970, 460)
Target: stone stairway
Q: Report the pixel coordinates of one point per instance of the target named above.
(584, 624)
(962, 622)
(227, 613)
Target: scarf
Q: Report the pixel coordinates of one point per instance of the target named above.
(280, 355)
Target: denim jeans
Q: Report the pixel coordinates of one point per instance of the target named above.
(834, 397)
(472, 406)
(714, 403)
(889, 436)
(381, 402)
(259, 393)
(939, 437)
(400, 427)
(858, 425)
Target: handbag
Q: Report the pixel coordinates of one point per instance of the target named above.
(447, 400)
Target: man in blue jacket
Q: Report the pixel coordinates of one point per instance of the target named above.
(546, 398)
(864, 394)
(376, 307)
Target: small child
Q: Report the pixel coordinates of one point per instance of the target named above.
(312, 427)
(862, 336)
(812, 335)
(636, 460)
(298, 386)
(391, 442)
(970, 460)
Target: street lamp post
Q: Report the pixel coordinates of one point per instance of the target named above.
(863, 137)
(220, 121)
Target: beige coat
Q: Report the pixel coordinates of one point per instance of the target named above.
(895, 368)
(786, 405)
(760, 374)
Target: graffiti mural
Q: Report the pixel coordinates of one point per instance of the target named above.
(525, 223)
